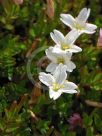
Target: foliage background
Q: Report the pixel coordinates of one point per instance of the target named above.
(26, 110)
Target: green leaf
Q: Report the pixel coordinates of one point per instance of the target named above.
(42, 125)
(89, 131)
(98, 122)
(87, 120)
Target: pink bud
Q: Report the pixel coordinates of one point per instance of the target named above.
(100, 32)
(99, 43)
(74, 121)
(18, 2)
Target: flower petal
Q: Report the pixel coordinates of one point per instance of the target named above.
(69, 55)
(83, 15)
(69, 91)
(60, 74)
(72, 36)
(51, 67)
(46, 79)
(68, 20)
(54, 94)
(57, 36)
(70, 66)
(90, 28)
(75, 49)
(50, 54)
(69, 85)
(57, 49)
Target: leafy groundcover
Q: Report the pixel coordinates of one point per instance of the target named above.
(25, 107)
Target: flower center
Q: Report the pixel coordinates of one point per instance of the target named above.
(56, 86)
(64, 47)
(60, 60)
(79, 26)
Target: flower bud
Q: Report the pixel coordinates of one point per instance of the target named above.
(74, 121)
(99, 43)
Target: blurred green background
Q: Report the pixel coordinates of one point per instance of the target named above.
(26, 110)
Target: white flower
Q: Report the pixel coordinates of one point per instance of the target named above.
(79, 23)
(57, 58)
(57, 82)
(65, 43)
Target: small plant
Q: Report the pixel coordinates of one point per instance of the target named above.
(72, 68)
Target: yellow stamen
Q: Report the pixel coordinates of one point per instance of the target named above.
(56, 86)
(60, 60)
(78, 26)
(64, 47)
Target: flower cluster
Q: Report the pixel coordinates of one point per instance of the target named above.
(60, 54)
